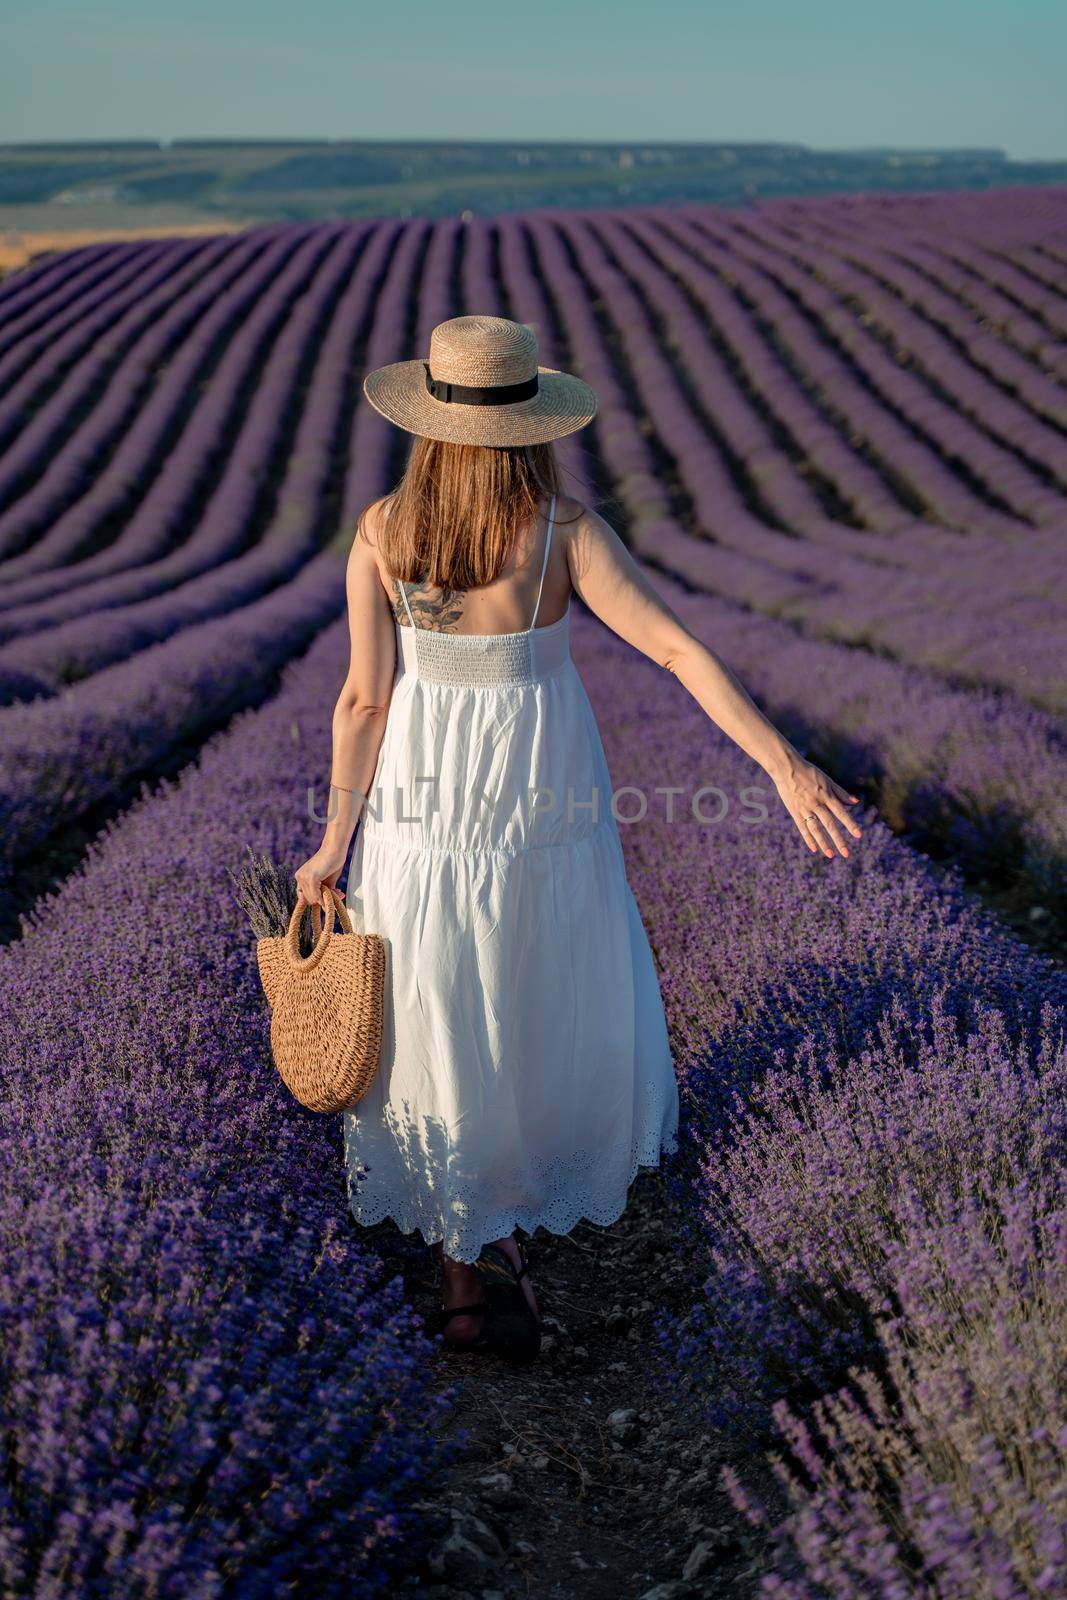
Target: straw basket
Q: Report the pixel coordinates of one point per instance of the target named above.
(326, 1007)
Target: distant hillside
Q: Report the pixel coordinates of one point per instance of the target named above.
(45, 188)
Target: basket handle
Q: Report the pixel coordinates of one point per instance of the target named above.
(322, 928)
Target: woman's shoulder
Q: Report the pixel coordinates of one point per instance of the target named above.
(372, 521)
(570, 513)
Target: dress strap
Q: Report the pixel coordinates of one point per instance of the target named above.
(404, 597)
(544, 563)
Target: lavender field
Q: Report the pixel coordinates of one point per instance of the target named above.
(835, 433)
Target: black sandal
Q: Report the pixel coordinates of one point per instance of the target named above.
(513, 1330)
(480, 1308)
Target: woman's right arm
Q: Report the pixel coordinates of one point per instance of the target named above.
(612, 585)
(361, 710)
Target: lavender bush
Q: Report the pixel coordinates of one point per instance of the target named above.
(873, 1083)
(86, 747)
(206, 1395)
(206, 1383)
(947, 1475)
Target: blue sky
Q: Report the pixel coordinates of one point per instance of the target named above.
(821, 72)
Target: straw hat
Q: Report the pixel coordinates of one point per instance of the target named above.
(481, 385)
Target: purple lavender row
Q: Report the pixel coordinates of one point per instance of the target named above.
(617, 267)
(718, 505)
(949, 252)
(46, 664)
(86, 283)
(960, 790)
(530, 304)
(1032, 277)
(254, 310)
(974, 617)
(623, 440)
(24, 286)
(996, 333)
(970, 635)
(657, 409)
(41, 287)
(91, 451)
(988, 243)
(996, 471)
(970, 773)
(130, 476)
(773, 471)
(912, 544)
(189, 1329)
(646, 257)
(1015, 240)
(65, 367)
(915, 472)
(960, 267)
(84, 749)
(811, 437)
(985, 619)
(894, 448)
(372, 442)
(524, 284)
(480, 289)
(1016, 644)
(902, 418)
(437, 298)
(872, 1078)
(620, 440)
(948, 1453)
(204, 576)
(1047, 270)
(855, 274)
(1002, 220)
(517, 293)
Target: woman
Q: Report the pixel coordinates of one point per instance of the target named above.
(525, 1071)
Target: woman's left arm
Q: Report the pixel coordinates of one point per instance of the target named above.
(359, 717)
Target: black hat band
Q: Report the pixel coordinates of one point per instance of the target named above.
(500, 394)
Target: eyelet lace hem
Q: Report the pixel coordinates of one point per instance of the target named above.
(589, 1184)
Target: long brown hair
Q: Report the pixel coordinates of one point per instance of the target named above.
(452, 519)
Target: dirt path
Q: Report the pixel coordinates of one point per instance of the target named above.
(584, 1476)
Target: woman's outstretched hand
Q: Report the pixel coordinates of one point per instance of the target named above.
(321, 871)
(818, 806)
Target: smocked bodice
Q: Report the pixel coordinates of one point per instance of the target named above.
(483, 659)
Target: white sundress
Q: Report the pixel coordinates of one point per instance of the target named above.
(525, 1069)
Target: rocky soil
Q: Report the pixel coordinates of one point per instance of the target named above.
(584, 1475)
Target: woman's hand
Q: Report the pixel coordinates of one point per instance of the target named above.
(817, 805)
(320, 872)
